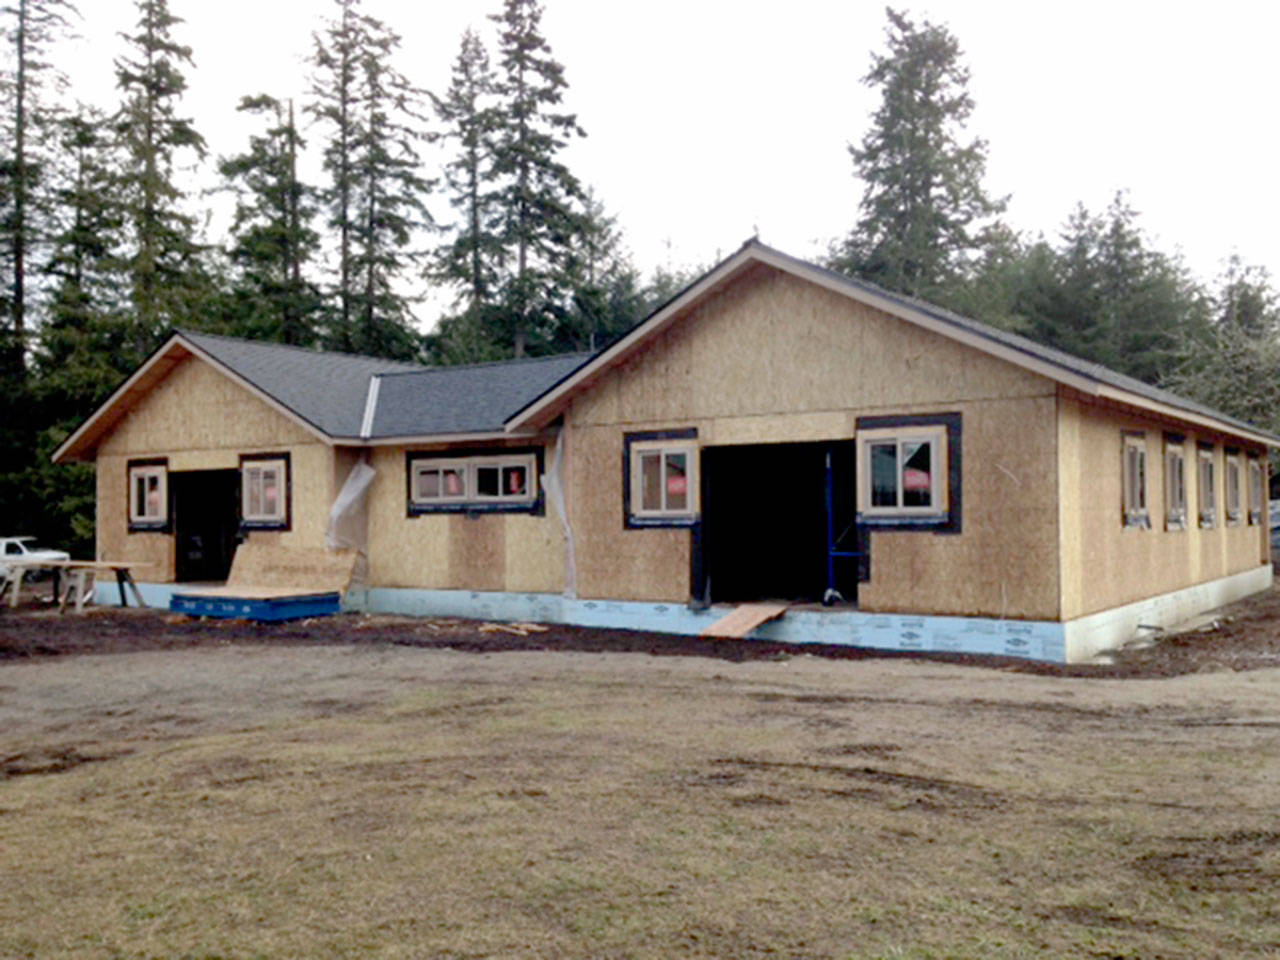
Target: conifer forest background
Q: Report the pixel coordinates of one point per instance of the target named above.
(500, 251)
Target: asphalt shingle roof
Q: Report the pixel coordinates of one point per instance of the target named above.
(329, 390)
(474, 399)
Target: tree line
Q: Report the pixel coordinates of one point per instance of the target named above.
(103, 254)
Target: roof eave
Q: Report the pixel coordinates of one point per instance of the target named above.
(83, 442)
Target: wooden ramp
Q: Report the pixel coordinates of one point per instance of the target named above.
(743, 619)
(273, 583)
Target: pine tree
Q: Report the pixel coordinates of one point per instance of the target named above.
(31, 28)
(375, 196)
(470, 261)
(537, 195)
(1246, 299)
(274, 242)
(923, 192)
(166, 273)
(606, 299)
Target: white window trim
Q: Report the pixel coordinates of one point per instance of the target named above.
(1134, 477)
(1256, 484)
(936, 436)
(1206, 492)
(469, 468)
(687, 448)
(159, 470)
(281, 513)
(1231, 490)
(1175, 506)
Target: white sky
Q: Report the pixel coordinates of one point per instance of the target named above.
(710, 119)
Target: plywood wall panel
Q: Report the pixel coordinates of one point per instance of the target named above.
(1004, 563)
(515, 551)
(1108, 564)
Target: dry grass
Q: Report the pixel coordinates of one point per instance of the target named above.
(552, 805)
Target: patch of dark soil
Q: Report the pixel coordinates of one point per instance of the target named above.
(466, 706)
(1091, 916)
(860, 750)
(50, 760)
(971, 794)
(1243, 860)
(329, 707)
(1247, 637)
(757, 800)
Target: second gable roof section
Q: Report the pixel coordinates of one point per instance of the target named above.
(453, 403)
(1088, 378)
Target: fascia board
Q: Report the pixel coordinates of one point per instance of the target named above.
(87, 429)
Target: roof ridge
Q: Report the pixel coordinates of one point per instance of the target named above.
(514, 361)
(310, 351)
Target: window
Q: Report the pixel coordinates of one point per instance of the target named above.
(148, 494)
(1207, 493)
(1135, 480)
(1255, 491)
(506, 481)
(663, 480)
(264, 491)
(1231, 491)
(903, 472)
(1175, 485)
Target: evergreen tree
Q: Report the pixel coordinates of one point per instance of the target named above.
(470, 260)
(375, 196)
(606, 299)
(923, 192)
(167, 277)
(1246, 300)
(537, 195)
(274, 242)
(31, 28)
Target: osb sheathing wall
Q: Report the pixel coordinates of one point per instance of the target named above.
(498, 551)
(1106, 564)
(200, 420)
(775, 359)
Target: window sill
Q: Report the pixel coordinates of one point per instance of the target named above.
(264, 525)
(1137, 521)
(471, 507)
(154, 526)
(904, 520)
(1175, 524)
(645, 522)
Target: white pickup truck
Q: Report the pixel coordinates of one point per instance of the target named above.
(21, 551)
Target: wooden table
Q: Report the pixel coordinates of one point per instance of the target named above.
(78, 569)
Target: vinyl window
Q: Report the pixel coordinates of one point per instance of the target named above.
(1231, 489)
(903, 472)
(148, 495)
(663, 480)
(478, 481)
(264, 492)
(1134, 471)
(1207, 493)
(1175, 486)
(1255, 491)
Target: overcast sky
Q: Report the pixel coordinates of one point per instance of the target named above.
(710, 120)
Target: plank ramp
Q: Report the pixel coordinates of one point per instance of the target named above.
(743, 619)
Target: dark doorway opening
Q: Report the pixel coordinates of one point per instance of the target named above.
(206, 522)
(765, 521)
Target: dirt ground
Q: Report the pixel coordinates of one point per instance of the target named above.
(1243, 636)
(383, 787)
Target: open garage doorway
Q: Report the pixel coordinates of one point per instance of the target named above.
(765, 521)
(206, 521)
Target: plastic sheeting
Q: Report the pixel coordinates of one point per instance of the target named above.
(347, 527)
(553, 483)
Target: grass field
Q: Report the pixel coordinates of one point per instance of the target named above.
(259, 802)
